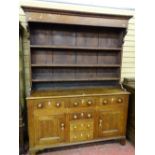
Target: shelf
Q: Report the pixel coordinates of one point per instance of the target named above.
(74, 65)
(70, 80)
(74, 48)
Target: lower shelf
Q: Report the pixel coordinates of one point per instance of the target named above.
(68, 80)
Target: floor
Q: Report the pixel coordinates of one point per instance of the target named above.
(110, 148)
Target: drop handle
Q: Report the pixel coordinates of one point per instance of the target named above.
(100, 122)
(62, 126)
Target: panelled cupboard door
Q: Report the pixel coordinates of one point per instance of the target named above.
(49, 129)
(110, 123)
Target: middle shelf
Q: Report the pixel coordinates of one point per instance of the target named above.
(75, 47)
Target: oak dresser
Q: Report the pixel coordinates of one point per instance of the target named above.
(76, 96)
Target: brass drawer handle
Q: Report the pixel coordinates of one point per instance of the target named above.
(75, 137)
(58, 104)
(120, 100)
(49, 103)
(88, 125)
(89, 115)
(75, 117)
(62, 126)
(75, 127)
(105, 102)
(100, 122)
(40, 105)
(82, 114)
(89, 103)
(76, 104)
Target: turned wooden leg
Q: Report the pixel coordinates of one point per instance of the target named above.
(32, 153)
(122, 141)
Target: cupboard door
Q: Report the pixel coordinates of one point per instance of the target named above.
(49, 129)
(111, 123)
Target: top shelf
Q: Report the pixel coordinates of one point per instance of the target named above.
(74, 47)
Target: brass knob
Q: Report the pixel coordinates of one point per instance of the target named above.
(105, 101)
(75, 137)
(58, 104)
(40, 105)
(75, 127)
(88, 125)
(82, 125)
(89, 102)
(88, 135)
(76, 104)
(81, 134)
(119, 100)
(89, 115)
(75, 117)
(100, 120)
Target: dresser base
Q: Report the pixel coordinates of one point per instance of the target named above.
(33, 151)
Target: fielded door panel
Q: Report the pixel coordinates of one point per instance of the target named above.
(111, 123)
(49, 129)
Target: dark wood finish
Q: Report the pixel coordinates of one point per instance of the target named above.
(75, 18)
(74, 49)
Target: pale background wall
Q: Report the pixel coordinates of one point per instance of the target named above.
(128, 62)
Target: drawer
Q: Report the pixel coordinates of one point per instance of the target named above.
(82, 115)
(81, 136)
(80, 125)
(82, 102)
(109, 100)
(50, 104)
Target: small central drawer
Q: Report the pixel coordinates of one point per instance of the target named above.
(80, 125)
(81, 115)
(82, 102)
(81, 136)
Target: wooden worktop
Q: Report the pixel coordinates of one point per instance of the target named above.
(75, 92)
